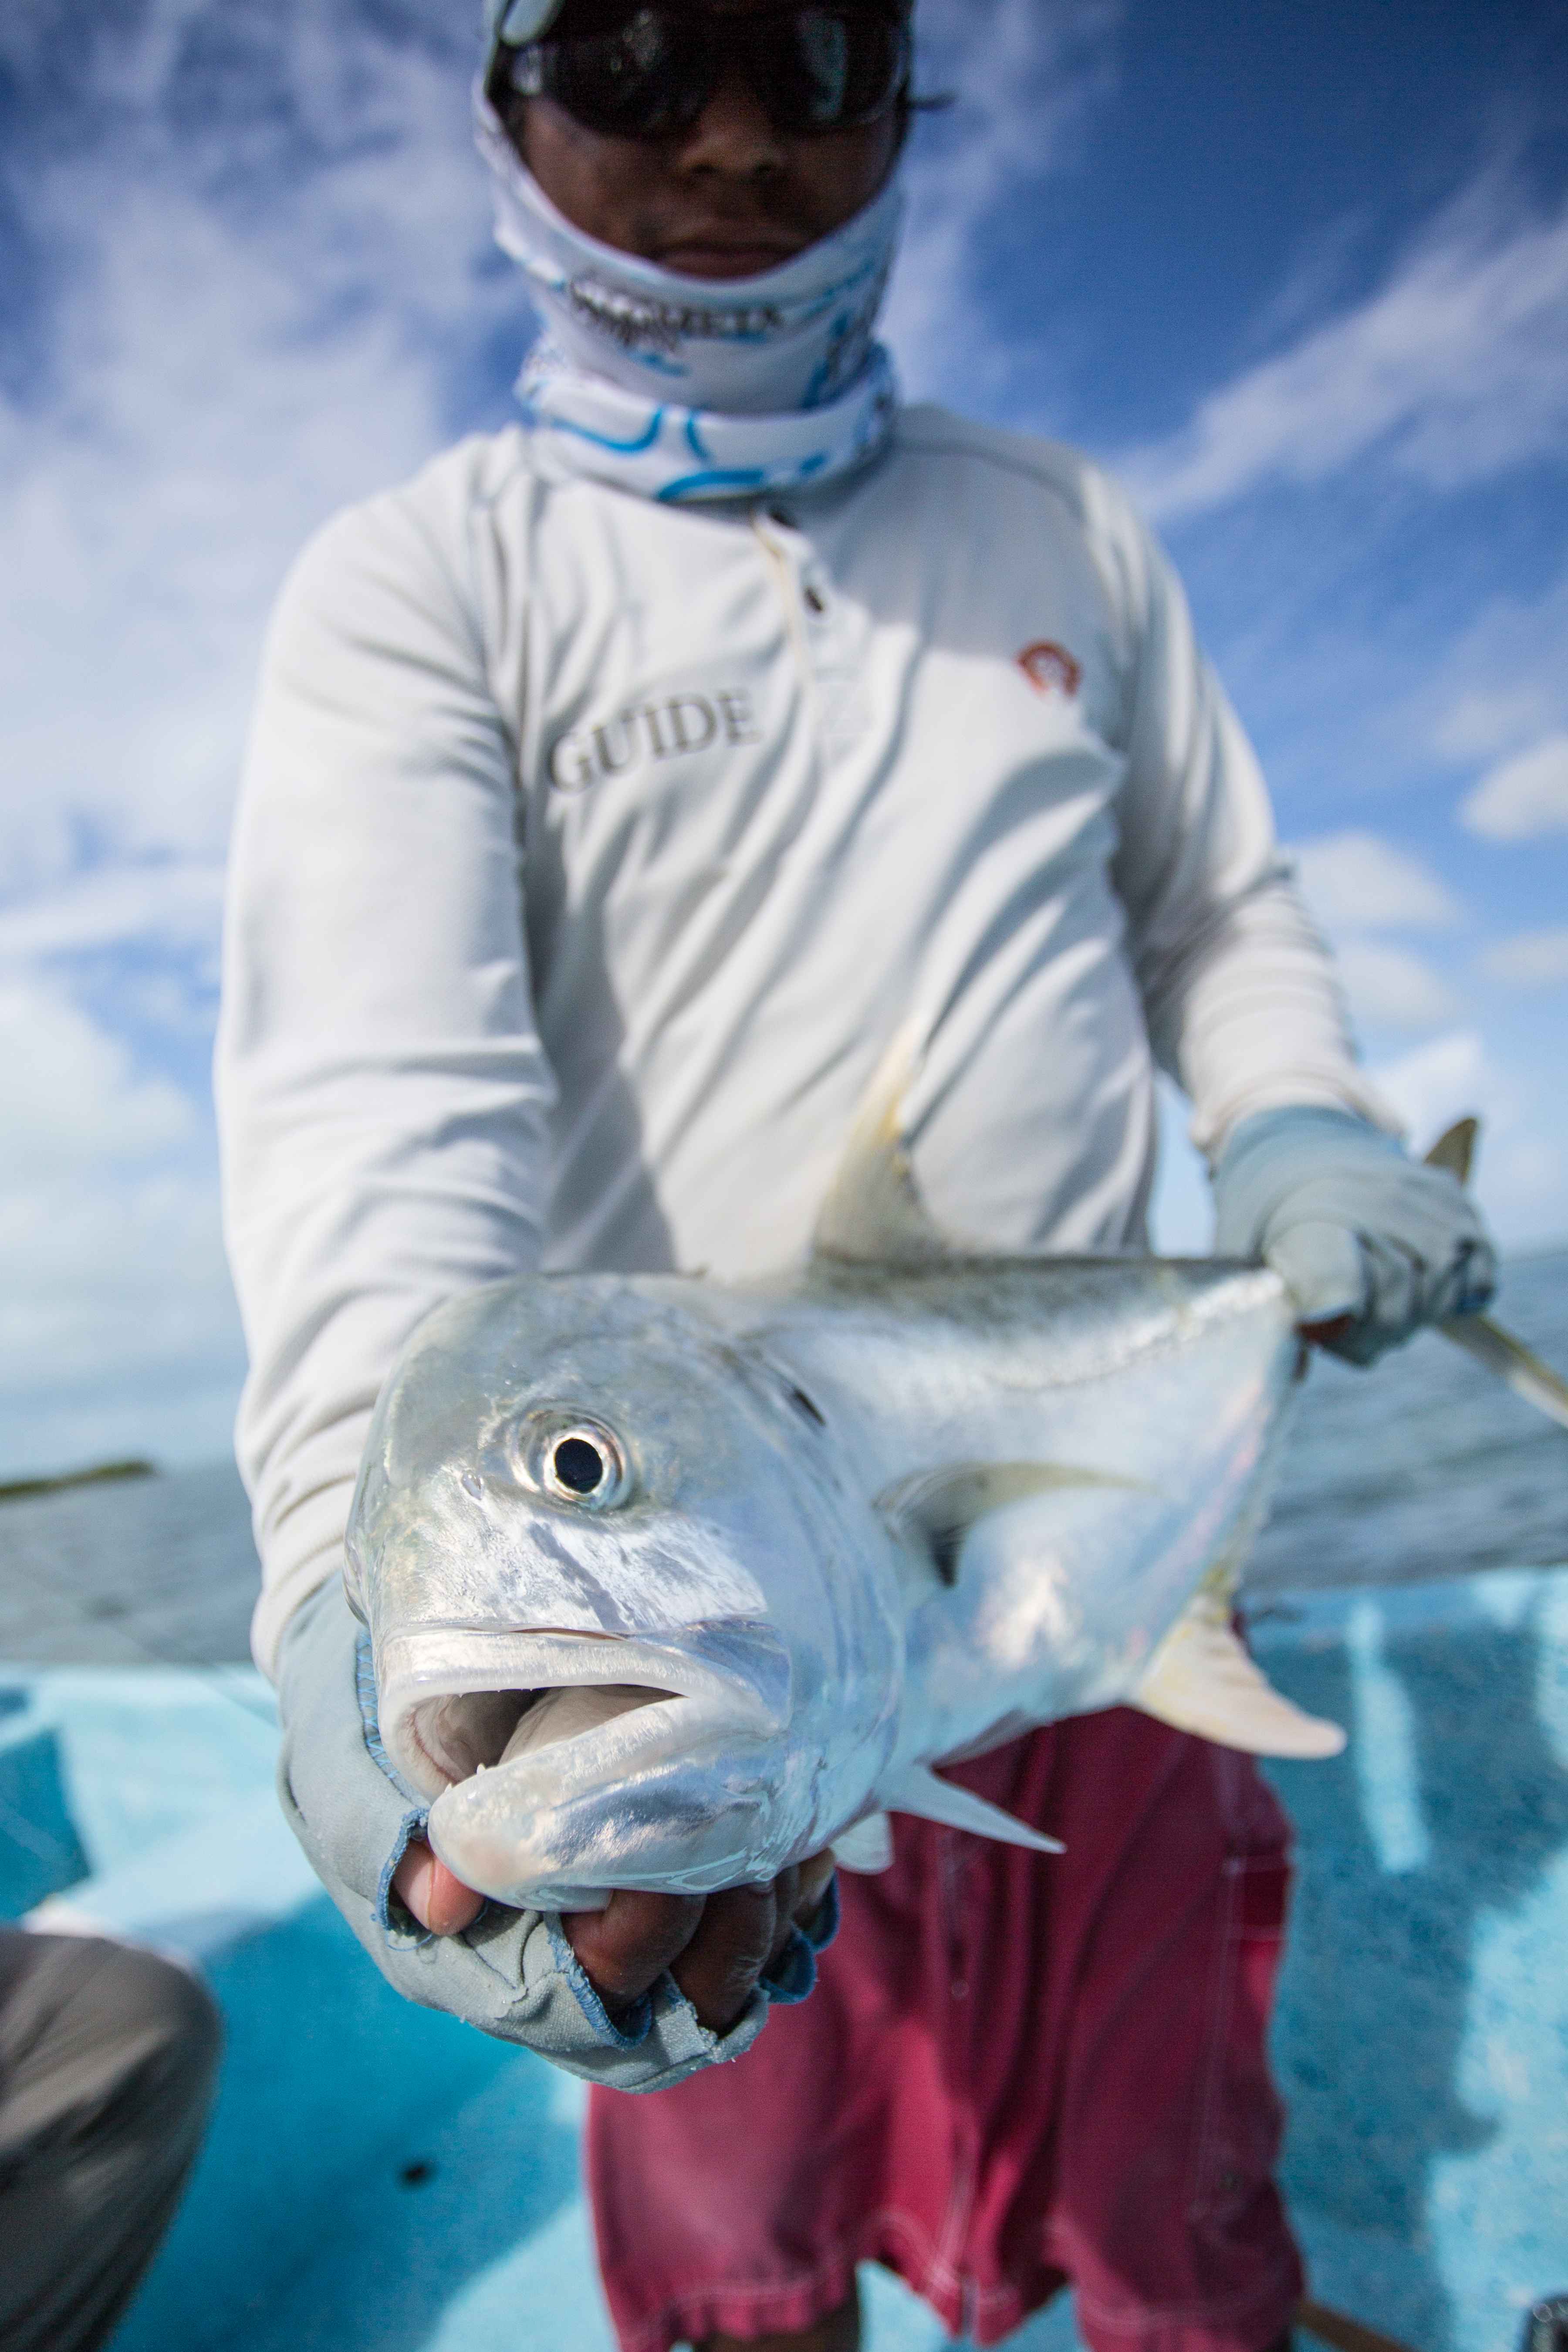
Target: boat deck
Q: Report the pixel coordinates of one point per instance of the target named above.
(381, 2179)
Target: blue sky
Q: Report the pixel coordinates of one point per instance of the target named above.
(1302, 274)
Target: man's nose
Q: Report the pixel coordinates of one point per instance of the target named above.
(733, 136)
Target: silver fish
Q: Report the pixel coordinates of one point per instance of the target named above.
(671, 1583)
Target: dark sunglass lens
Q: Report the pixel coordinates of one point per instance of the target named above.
(836, 70)
(643, 80)
(822, 48)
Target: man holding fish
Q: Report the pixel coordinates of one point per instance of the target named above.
(619, 790)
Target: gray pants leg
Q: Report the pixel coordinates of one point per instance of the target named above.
(106, 2060)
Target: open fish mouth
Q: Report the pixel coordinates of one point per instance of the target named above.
(562, 1764)
(470, 1732)
(456, 1703)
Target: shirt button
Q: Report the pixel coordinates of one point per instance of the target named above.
(815, 601)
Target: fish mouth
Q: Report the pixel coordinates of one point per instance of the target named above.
(469, 1732)
(560, 1766)
(455, 1702)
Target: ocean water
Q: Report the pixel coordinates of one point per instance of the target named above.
(1424, 1466)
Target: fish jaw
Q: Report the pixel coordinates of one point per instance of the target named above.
(667, 1798)
(710, 1781)
(449, 1698)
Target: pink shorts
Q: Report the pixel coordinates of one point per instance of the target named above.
(1015, 2072)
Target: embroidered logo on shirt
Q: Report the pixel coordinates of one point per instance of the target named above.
(667, 726)
(1050, 669)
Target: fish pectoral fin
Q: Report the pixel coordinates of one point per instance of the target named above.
(866, 1847)
(919, 1792)
(1200, 1679)
(873, 1212)
(936, 1509)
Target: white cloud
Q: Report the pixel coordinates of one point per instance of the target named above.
(1361, 885)
(1523, 796)
(1503, 683)
(1024, 79)
(116, 1319)
(267, 281)
(70, 1095)
(223, 371)
(178, 903)
(118, 1329)
(1390, 988)
(1532, 959)
(1358, 881)
(1447, 1079)
(1456, 369)
(1522, 1167)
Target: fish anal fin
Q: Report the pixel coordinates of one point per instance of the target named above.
(919, 1791)
(873, 1212)
(936, 1508)
(1200, 1679)
(1455, 1148)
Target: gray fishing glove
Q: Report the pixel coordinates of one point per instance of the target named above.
(1354, 1226)
(512, 1973)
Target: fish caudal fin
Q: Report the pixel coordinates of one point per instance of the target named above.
(1513, 1361)
(1477, 1334)
(1455, 1148)
(873, 1212)
(919, 1792)
(867, 1847)
(1200, 1679)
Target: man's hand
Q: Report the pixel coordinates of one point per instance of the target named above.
(716, 1947)
(1371, 1244)
(509, 1975)
(432, 1894)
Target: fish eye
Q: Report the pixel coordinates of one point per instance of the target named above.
(576, 1462)
(573, 1459)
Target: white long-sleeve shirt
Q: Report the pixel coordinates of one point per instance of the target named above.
(590, 851)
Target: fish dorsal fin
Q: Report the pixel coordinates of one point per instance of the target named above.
(1455, 1148)
(936, 1508)
(873, 1212)
(1201, 1679)
(919, 1791)
(866, 1847)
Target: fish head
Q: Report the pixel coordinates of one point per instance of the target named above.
(584, 1489)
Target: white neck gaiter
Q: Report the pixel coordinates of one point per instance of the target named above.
(690, 388)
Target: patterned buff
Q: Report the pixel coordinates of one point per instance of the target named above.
(684, 388)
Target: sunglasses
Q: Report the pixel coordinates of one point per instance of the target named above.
(651, 76)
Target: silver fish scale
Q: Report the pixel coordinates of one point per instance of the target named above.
(776, 1554)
